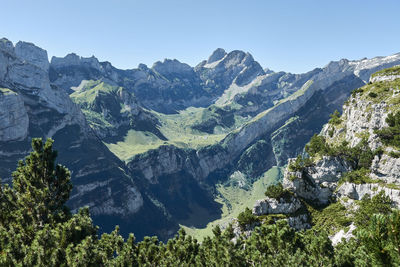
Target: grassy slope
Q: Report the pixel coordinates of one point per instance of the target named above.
(135, 142)
(387, 91)
(389, 71)
(6, 91)
(235, 200)
(90, 90)
(177, 129)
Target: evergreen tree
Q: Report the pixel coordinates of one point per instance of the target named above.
(41, 187)
(36, 227)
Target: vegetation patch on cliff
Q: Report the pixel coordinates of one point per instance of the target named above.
(331, 218)
(388, 71)
(378, 92)
(390, 136)
(6, 91)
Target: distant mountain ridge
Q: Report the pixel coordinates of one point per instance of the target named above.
(167, 86)
(147, 146)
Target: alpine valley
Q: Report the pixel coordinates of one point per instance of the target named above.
(155, 148)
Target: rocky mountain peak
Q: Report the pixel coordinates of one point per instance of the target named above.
(25, 65)
(73, 59)
(268, 71)
(70, 59)
(237, 57)
(142, 66)
(6, 46)
(364, 68)
(172, 66)
(218, 54)
(32, 54)
(91, 61)
(337, 66)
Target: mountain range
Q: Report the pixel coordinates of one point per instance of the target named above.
(149, 148)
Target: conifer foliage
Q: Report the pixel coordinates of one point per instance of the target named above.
(36, 227)
(41, 188)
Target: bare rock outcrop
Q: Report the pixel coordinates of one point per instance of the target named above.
(14, 120)
(276, 206)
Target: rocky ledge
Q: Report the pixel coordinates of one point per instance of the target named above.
(276, 206)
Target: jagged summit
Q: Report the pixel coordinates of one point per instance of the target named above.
(172, 66)
(27, 52)
(6, 45)
(218, 54)
(142, 66)
(73, 59)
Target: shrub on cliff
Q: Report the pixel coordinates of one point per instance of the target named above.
(390, 136)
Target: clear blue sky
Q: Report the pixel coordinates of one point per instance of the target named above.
(289, 35)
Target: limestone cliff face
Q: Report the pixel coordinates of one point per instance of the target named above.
(25, 69)
(170, 160)
(14, 120)
(318, 182)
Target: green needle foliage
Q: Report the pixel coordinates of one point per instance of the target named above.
(247, 218)
(391, 135)
(37, 229)
(275, 191)
(335, 118)
(41, 187)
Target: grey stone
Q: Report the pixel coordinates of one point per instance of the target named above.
(276, 206)
(32, 54)
(14, 121)
(218, 54)
(358, 191)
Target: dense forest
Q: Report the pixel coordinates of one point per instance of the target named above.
(38, 229)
